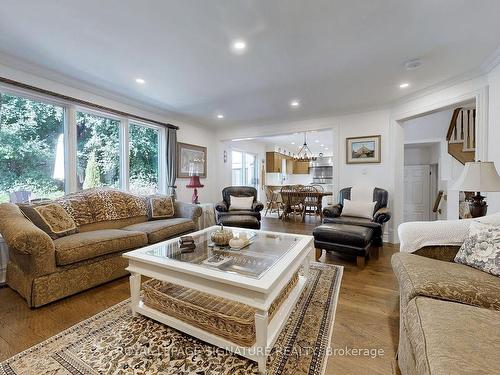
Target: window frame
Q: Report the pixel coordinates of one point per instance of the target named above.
(162, 152)
(70, 138)
(244, 168)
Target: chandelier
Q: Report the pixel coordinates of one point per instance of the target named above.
(305, 153)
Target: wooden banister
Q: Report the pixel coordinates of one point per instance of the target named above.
(438, 201)
(453, 123)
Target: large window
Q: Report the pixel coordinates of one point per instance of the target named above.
(244, 169)
(98, 151)
(49, 147)
(143, 166)
(31, 148)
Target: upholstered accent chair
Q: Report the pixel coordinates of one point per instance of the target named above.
(223, 208)
(333, 214)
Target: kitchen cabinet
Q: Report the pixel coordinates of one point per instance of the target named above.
(273, 162)
(300, 167)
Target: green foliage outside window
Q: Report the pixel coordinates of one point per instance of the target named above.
(29, 132)
(30, 159)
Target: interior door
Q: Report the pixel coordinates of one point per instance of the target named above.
(417, 194)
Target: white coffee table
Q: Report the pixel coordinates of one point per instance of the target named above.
(278, 256)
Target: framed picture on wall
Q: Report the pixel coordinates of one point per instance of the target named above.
(360, 150)
(191, 160)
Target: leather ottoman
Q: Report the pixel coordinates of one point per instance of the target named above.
(346, 239)
(240, 221)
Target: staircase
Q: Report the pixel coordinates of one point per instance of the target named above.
(461, 135)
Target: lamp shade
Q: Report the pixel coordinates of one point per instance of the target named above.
(194, 182)
(478, 176)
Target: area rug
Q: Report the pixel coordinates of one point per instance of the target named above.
(112, 342)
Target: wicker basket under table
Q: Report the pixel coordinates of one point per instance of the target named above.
(231, 320)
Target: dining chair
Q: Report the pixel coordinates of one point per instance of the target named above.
(292, 201)
(273, 200)
(311, 204)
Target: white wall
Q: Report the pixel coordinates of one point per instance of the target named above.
(224, 169)
(430, 127)
(202, 137)
(494, 132)
(423, 154)
(365, 124)
(187, 133)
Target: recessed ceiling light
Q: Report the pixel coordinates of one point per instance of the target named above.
(322, 145)
(317, 141)
(326, 148)
(239, 46)
(404, 85)
(220, 116)
(293, 143)
(140, 81)
(294, 103)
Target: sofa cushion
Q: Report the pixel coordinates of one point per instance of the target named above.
(87, 245)
(420, 276)
(78, 207)
(160, 230)
(481, 248)
(50, 217)
(160, 207)
(358, 209)
(451, 338)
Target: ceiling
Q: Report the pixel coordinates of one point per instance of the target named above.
(335, 56)
(318, 141)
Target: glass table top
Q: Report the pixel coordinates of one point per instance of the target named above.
(264, 251)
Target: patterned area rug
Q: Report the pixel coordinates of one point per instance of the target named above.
(112, 342)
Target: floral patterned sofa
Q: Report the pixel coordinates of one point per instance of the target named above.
(449, 312)
(108, 222)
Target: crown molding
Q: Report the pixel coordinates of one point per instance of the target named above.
(491, 62)
(461, 78)
(22, 66)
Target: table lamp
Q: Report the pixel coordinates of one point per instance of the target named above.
(194, 181)
(478, 176)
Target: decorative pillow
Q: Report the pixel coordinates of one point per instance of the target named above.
(240, 203)
(358, 209)
(51, 217)
(481, 248)
(160, 207)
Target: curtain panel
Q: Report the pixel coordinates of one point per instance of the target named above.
(171, 174)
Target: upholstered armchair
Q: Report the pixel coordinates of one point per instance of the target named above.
(223, 208)
(333, 214)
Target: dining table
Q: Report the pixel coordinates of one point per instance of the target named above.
(319, 196)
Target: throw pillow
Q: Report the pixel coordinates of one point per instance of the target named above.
(240, 203)
(481, 248)
(358, 209)
(160, 207)
(51, 217)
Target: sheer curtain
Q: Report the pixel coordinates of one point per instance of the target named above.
(171, 161)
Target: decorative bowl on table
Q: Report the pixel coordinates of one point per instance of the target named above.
(221, 236)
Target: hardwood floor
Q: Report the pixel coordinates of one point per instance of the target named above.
(366, 318)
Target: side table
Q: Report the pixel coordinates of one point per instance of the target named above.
(4, 258)
(207, 218)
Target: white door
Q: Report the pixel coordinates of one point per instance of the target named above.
(417, 198)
